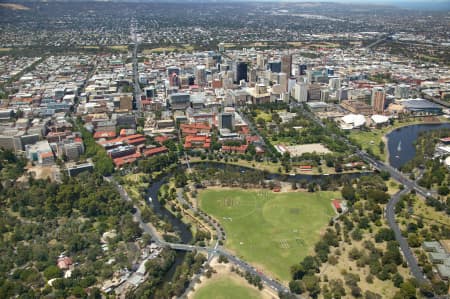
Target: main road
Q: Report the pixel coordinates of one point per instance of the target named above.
(136, 86)
(415, 270)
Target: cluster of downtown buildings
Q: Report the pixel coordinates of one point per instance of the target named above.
(188, 96)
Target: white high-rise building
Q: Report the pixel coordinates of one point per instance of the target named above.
(301, 92)
(335, 83)
(260, 61)
(283, 81)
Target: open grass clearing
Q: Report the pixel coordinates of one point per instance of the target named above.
(224, 287)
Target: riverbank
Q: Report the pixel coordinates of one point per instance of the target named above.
(274, 168)
(401, 142)
(370, 140)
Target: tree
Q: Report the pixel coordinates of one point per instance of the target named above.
(261, 122)
(371, 295)
(397, 279)
(413, 240)
(357, 234)
(312, 285)
(95, 293)
(298, 271)
(223, 259)
(385, 175)
(443, 190)
(52, 272)
(407, 290)
(384, 234)
(348, 192)
(356, 291)
(297, 286)
(310, 264)
(337, 288)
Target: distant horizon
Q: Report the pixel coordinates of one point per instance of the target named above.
(410, 4)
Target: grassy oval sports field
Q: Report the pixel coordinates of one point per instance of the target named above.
(270, 230)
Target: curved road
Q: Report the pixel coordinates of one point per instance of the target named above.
(416, 271)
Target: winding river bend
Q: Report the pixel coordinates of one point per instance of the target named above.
(179, 226)
(401, 142)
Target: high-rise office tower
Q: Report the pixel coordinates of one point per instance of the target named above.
(240, 71)
(200, 75)
(302, 69)
(378, 99)
(226, 121)
(402, 91)
(301, 92)
(283, 81)
(150, 92)
(274, 66)
(286, 64)
(174, 80)
(173, 69)
(314, 92)
(260, 61)
(335, 83)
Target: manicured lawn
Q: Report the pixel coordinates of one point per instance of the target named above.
(225, 288)
(371, 140)
(270, 230)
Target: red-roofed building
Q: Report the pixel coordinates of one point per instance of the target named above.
(109, 134)
(337, 205)
(64, 263)
(203, 142)
(136, 141)
(305, 167)
(161, 139)
(194, 129)
(155, 151)
(119, 162)
(234, 149)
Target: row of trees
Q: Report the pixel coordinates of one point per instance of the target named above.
(103, 164)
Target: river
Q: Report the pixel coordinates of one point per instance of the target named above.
(401, 141)
(179, 226)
